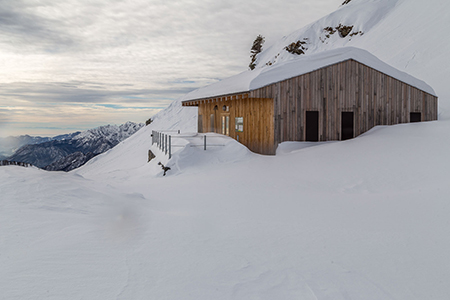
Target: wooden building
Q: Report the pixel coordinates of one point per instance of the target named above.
(333, 95)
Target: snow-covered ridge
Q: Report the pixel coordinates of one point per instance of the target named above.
(361, 15)
(251, 80)
(116, 132)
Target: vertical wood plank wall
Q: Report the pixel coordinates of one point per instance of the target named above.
(373, 97)
(258, 134)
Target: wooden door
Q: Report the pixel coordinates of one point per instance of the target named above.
(312, 126)
(347, 125)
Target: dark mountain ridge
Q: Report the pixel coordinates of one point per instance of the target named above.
(70, 153)
(9, 145)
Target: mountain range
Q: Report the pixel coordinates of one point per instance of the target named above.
(11, 144)
(67, 152)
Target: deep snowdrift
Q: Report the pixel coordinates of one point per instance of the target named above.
(361, 219)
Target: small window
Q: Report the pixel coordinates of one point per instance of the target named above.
(415, 117)
(239, 124)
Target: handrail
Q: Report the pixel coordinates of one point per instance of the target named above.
(164, 141)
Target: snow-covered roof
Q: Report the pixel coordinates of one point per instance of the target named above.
(251, 80)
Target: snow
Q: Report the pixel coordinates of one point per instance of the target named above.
(251, 80)
(365, 218)
(130, 153)
(363, 15)
(229, 224)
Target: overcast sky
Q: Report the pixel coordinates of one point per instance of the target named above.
(76, 64)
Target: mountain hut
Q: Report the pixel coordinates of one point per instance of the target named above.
(333, 95)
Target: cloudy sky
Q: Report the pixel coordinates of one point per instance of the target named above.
(76, 64)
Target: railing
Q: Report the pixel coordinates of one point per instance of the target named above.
(14, 163)
(163, 140)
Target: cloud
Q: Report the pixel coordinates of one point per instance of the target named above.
(20, 25)
(144, 53)
(52, 120)
(85, 92)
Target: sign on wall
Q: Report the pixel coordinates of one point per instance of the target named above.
(239, 124)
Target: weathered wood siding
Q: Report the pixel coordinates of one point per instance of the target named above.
(373, 97)
(258, 134)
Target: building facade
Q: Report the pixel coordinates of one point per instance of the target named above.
(334, 102)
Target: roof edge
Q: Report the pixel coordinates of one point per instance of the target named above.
(248, 81)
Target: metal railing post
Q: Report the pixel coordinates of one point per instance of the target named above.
(204, 142)
(165, 148)
(170, 146)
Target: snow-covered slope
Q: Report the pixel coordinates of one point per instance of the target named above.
(365, 218)
(133, 152)
(361, 219)
(362, 15)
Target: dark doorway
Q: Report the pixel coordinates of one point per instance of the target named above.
(415, 117)
(347, 125)
(200, 123)
(211, 123)
(312, 126)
